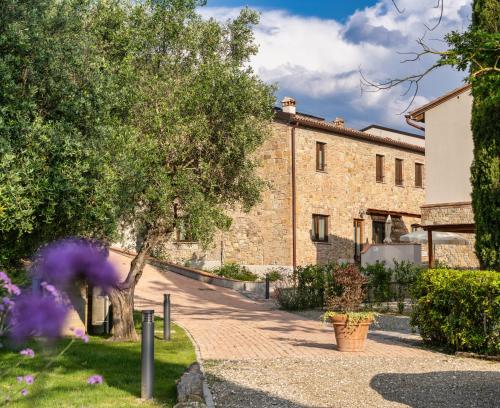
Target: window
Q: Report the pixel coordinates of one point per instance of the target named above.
(320, 228)
(378, 232)
(184, 235)
(399, 172)
(379, 168)
(320, 156)
(419, 175)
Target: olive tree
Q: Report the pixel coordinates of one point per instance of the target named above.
(200, 115)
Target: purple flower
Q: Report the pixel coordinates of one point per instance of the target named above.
(29, 379)
(67, 260)
(12, 289)
(20, 378)
(4, 278)
(81, 335)
(34, 315)
(8, 285)
(94, 379)
(24, 392)
(7, 302)
(27, 352)
(50, 289)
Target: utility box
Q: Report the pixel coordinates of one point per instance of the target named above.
(100, 312)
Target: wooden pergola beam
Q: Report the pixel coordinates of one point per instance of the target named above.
(463, 228)
(373, 211)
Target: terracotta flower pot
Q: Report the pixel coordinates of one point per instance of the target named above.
(350, 337)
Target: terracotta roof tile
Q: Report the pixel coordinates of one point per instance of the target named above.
(329, 126)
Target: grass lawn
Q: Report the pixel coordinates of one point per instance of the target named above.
(65, 383)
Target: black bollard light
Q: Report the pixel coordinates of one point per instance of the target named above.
(166, 316)
(147, 354)
(267, 286)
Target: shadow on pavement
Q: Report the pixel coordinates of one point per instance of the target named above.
(440, 388)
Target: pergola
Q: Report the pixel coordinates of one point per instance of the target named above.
(464, 228)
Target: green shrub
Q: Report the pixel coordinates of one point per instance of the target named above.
(235, 271)
(275, 275)
(307, 288)
(459, 309)
(405, 273)
(379, 282)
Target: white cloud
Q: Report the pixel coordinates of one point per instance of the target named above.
(318, 60)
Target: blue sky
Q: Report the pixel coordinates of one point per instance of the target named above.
(314, 51)
(332, 9)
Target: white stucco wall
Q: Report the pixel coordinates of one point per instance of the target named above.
(396, 136)
(449, 150)
(387, 253)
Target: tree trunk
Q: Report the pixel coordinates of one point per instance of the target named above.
(122, 297)
(123, 314)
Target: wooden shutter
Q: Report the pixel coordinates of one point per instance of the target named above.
(320, 156)
(379, 168)
(399, 172)
(419, 175)
(320, 228)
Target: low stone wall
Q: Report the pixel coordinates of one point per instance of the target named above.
(256, 288)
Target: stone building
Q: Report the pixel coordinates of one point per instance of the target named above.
(449, 157)
(330, 191)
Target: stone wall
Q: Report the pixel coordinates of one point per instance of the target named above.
(455, 256)
(346, 189)
(262, 238)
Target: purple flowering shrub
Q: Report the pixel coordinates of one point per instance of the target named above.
(42, 314)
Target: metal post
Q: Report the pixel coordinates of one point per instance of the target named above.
(267, 286)
(147, 354)
(166, 316)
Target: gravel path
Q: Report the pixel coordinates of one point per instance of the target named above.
(443, 381)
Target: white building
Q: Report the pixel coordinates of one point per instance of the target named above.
(449, 154)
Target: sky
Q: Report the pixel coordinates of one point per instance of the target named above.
(314, 51)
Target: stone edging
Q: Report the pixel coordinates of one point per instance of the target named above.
(207, 394)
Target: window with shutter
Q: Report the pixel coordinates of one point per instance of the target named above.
(320, 228)
(399, 172)
(320, 156)
(379, 165)
(419, 175)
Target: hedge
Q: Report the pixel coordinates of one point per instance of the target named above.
(459, 309)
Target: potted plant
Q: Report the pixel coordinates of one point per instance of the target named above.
(344, 309)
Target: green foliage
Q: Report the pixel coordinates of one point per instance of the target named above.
(234, 271)
(478, 50)
(405, 274)
(275, 275)
(389, 284)
(64, 102)
(200, 116)
(352, 318)
(459, 309)
(379, 282)
(308, 287)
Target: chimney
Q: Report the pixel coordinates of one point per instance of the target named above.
(339, 122)
(288, 105)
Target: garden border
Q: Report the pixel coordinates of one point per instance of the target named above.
(256, 288)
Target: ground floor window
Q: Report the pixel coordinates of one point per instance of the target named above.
(320, 228)
(378, 232)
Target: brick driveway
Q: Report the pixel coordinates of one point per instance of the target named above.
(229, 326)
